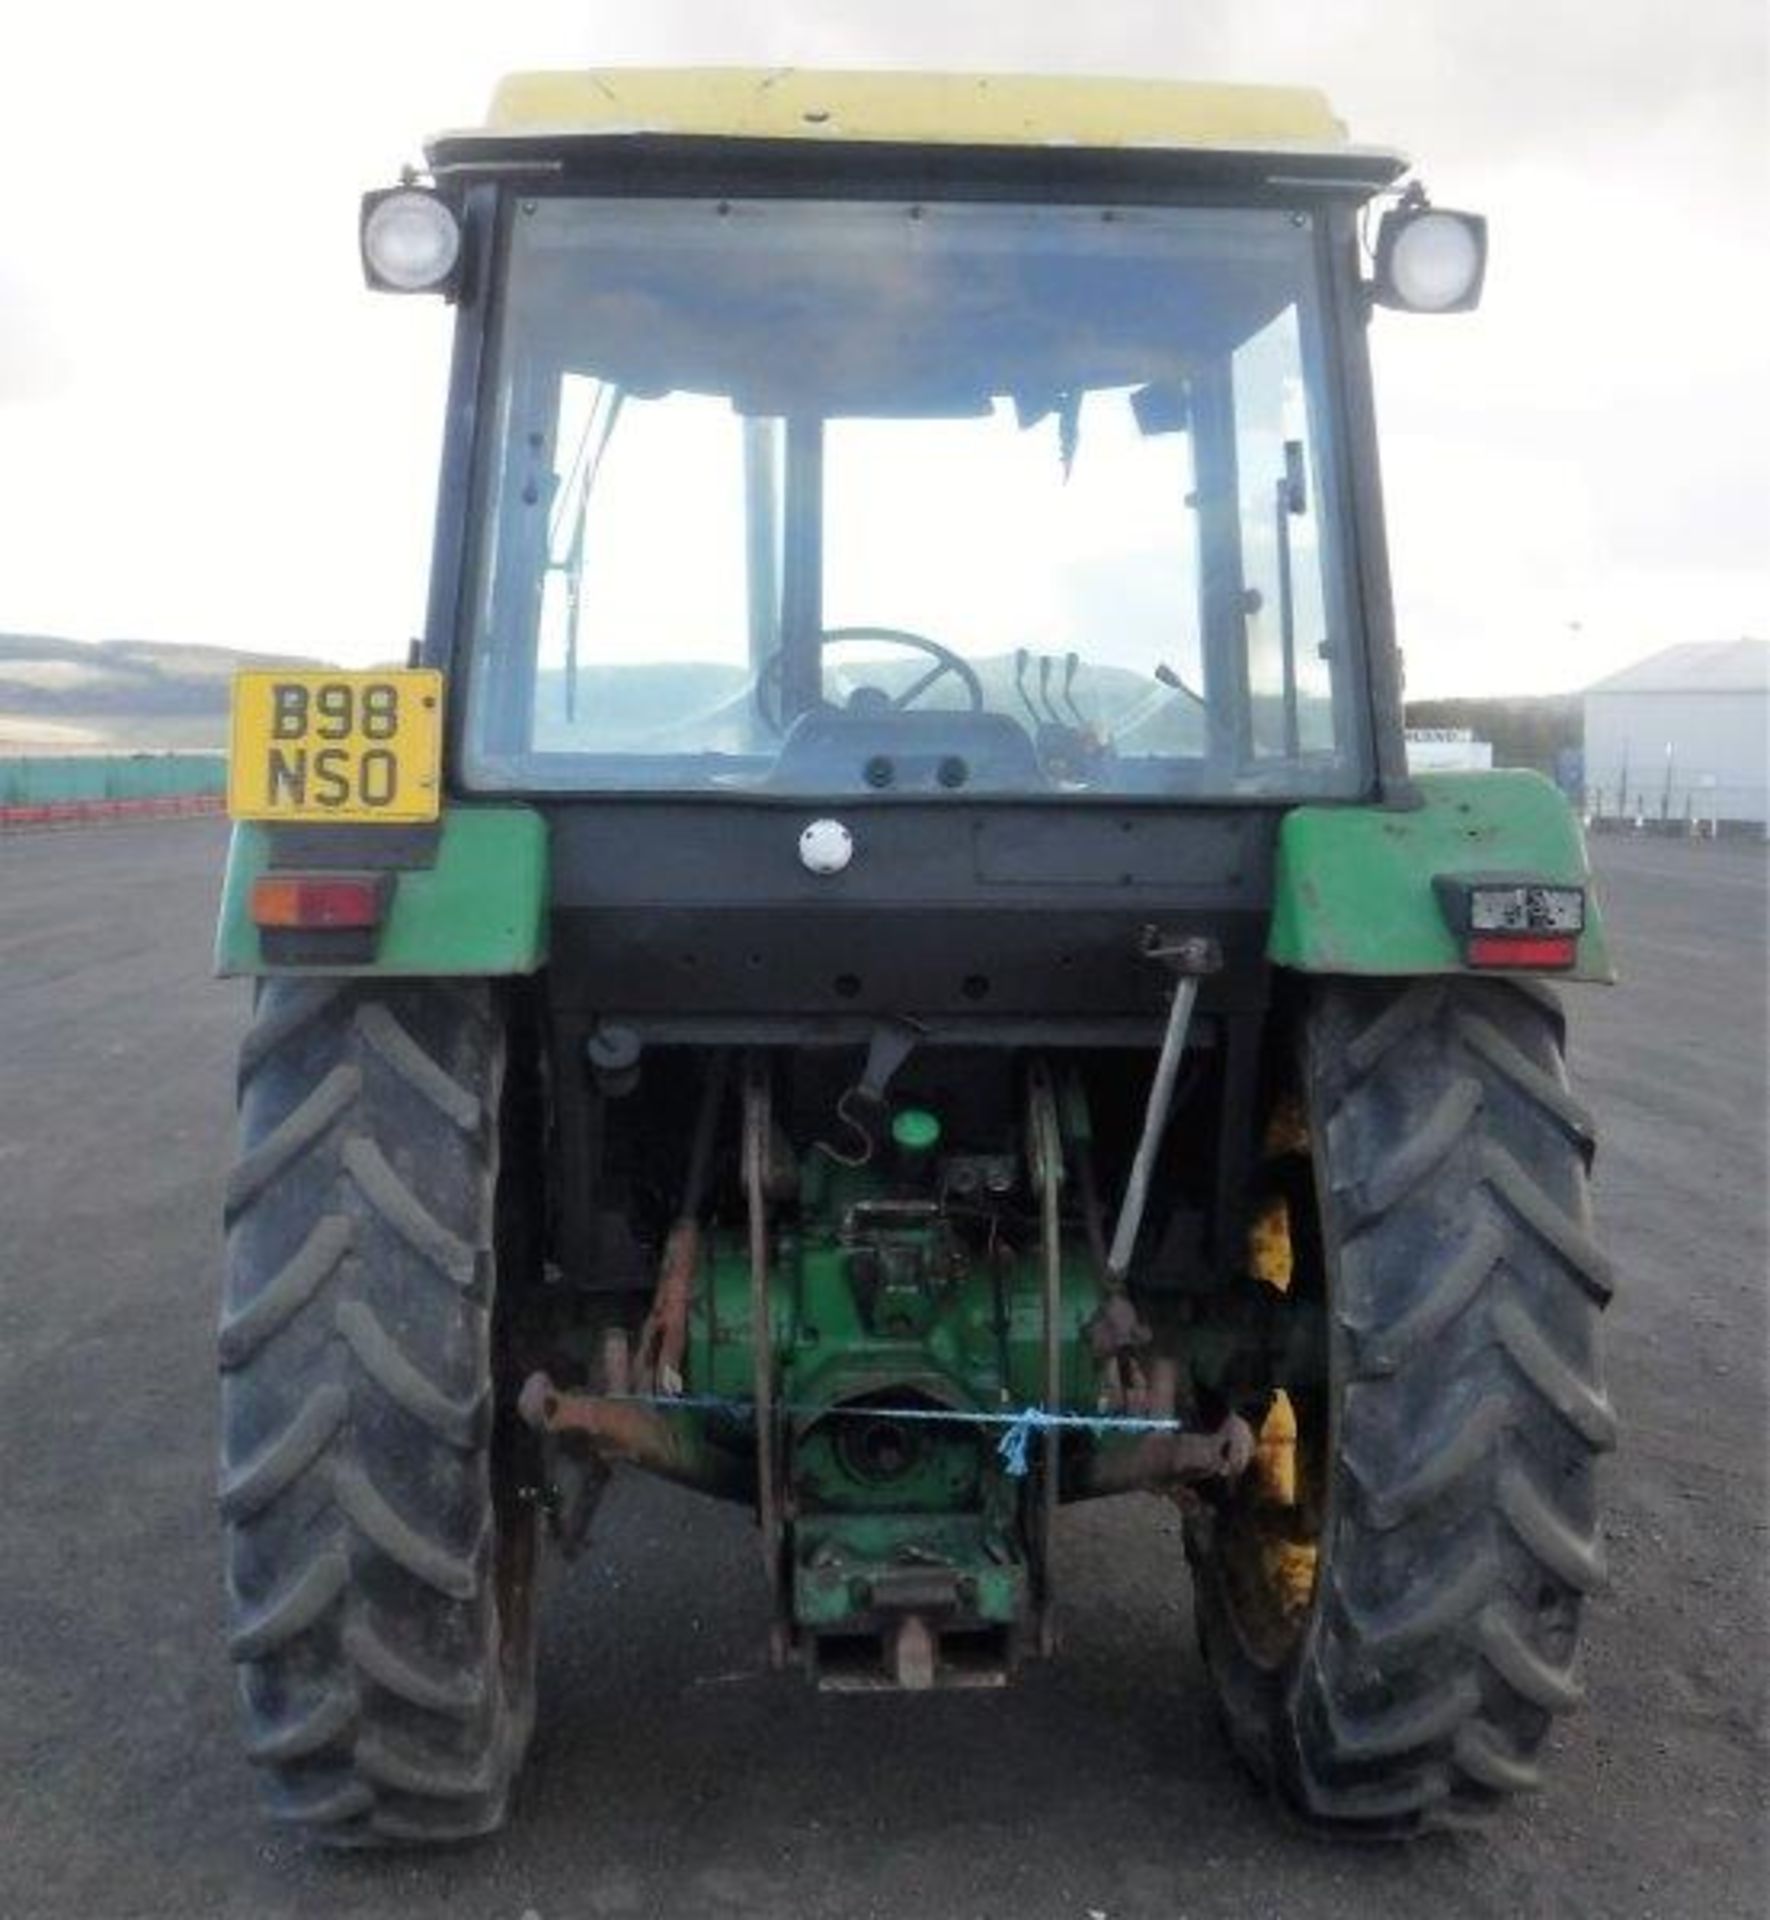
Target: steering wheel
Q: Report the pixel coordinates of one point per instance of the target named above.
(768, 681)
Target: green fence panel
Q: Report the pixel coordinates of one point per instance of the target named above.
(67, 779)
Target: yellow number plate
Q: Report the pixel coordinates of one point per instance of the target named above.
(336, 746)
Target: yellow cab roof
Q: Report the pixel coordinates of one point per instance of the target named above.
(530, 110)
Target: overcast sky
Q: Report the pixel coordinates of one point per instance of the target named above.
(209, 432)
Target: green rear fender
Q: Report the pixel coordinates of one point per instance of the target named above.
(1353, 888)
(1352, 893)
(479, 906)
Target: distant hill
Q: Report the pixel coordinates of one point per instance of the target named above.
(71, 696)
(82, 695)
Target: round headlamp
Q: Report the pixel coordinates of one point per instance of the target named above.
(411, 241)
(1429, 260)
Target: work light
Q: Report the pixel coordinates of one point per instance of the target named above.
(1430, 260)
(411, 241)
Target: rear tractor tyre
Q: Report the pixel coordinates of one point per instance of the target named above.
(1392, 1632)
(380, 1552)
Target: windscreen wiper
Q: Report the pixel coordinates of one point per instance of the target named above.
(586, 465)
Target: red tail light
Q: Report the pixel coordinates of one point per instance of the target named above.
(1518, 921)
(312, 901)
(1543, 950)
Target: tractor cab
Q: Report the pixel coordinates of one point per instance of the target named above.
(868, 435)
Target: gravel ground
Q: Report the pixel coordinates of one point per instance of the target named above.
(671, 1776)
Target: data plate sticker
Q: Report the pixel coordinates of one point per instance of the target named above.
(336, 746)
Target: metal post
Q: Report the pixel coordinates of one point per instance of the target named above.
(758, 1120)
(762, 540)
(1155, 1120)
(802, 580)
(1287, 613)
(1046, 1156)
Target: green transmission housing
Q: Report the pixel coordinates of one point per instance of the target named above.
(893, 1322)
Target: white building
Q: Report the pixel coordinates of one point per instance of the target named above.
(1683, 735)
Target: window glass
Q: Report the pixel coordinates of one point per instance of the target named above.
(643, 623)
(1290, 684)
(960, 498)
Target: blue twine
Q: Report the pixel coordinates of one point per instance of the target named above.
(1018, 1426)
(1011, 1448)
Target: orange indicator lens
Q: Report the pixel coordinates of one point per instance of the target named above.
(312, 901)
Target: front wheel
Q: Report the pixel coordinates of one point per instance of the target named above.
(380, 1551)
(1389, 1605)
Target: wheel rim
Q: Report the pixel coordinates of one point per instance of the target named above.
(1269, 1528)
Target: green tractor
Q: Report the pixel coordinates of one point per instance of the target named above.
(882, 960)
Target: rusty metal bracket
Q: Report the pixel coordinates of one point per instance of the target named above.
(1167, 1463)
(663, 1339)
(1189, 954)
(638, 1432)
